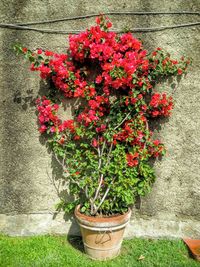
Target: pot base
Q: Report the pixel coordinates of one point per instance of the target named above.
(101, 256)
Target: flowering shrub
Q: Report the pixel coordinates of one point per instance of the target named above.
(105, 148)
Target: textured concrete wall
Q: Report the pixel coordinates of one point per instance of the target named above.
(27, 190)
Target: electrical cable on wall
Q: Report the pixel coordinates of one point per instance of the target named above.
(110, 13)
(24, 26)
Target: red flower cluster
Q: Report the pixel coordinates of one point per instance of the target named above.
(160, 105)
(119, 57)
(48, 119)
(97, 108)
(64, 75)
(133, 132)
(105, 68)
(156, 149)
(163, 64)
(87, 117)
(46, 115)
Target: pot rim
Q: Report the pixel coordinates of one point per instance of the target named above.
(103, 222)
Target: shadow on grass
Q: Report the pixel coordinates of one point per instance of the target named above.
(76, 242)
(190, 254)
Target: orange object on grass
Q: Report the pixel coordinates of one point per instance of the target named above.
(194, 246)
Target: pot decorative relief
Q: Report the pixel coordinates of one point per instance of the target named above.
(102, 236)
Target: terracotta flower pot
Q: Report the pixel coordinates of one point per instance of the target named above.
(102, 237)
(194, 246)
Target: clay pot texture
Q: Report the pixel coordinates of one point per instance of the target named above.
(194, 246)
(102, 236)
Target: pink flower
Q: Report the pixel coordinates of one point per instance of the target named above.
(52, 129)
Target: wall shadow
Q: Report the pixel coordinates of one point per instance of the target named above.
(13, 198)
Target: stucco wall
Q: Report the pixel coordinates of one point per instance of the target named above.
(27, 189)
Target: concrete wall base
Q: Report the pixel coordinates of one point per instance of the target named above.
(43, 223)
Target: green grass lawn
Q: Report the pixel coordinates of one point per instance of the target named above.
(57, 251)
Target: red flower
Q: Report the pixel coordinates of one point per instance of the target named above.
(39, 51)
(144, 107)
(98, 20)
(102, 128)
(93, 104)
(155, 113)
(61, 141)
(77, 137)
(94, 142)
(99, 79)
(140, 96)
(43, 129)
(24, 49)
(180, 71)
(45, 71)
(175, 62)
(79, 92)
(156, 142)
(114, 142)
(133, 100)
(127, 102)
(48, 53)
(131, 159)
(109, 24)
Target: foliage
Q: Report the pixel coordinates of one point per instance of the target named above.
(105, 148)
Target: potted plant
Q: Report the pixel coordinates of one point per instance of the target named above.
(106, 146)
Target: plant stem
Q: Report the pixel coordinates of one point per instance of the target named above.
(99, 187)
(100, 153)
(147, 128)
(122, 121)
(103, 198)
